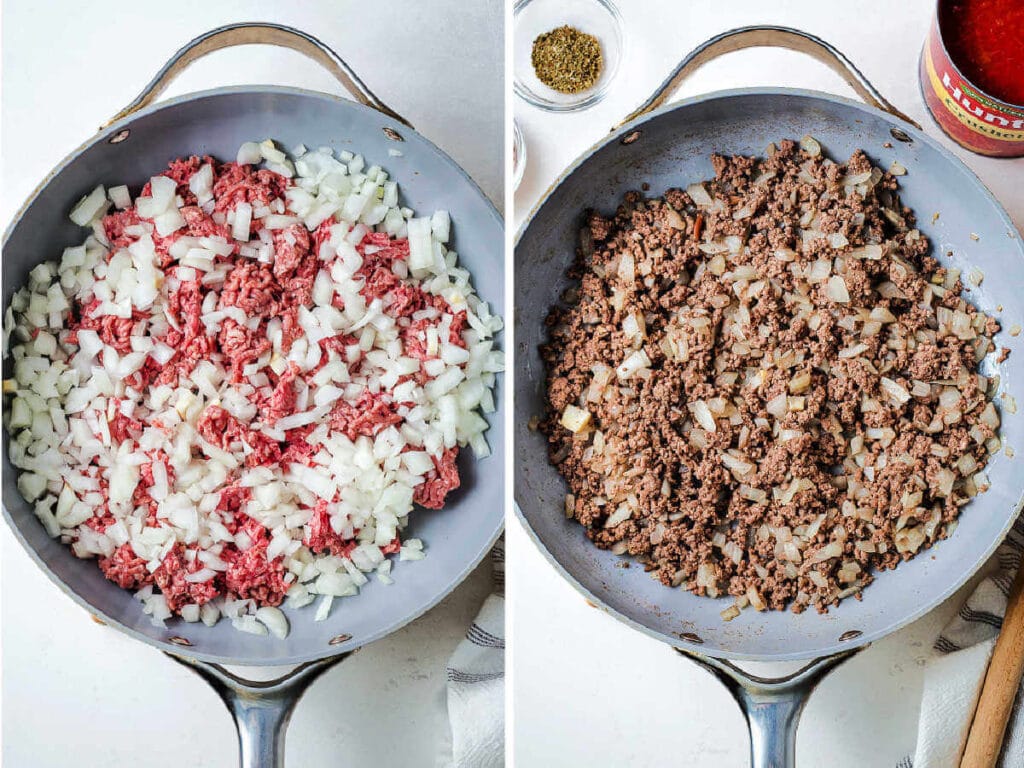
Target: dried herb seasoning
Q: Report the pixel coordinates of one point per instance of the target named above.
(567, 60)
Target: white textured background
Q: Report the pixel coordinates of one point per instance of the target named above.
(588, 690)
(76, 693)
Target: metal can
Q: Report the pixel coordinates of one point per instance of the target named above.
(971, 117)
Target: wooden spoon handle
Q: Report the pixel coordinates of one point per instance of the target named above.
(1002, 681)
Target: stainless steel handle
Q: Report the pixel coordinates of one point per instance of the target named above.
(766, 36)
(261, 710)
(251, 34)
(771, 706)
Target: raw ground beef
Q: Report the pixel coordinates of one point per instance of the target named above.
(223, 430)
(125, 568)
(170, 578)
(764, 386)
(366, 416)
(442, 481)
(323, 538)
(251, 576)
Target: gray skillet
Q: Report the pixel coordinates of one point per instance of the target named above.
(670, 146)
(138, 142)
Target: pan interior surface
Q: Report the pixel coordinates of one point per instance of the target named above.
(672, 148)
(216, 123)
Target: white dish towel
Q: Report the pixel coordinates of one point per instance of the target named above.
(476, 682)
(954, 676)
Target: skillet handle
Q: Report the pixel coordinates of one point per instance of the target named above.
(767, 36)
(250, 34)
(261, 710)
(771, 706)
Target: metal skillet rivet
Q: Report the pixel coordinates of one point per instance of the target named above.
(692, 637)
(851, 634)
(392, 134)
(900, 136)
(120, 136)
(179, 640)
(339, 639)
(629, 138)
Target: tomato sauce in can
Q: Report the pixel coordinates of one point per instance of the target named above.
(972, 74)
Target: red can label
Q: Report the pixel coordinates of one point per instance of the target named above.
(969, 117)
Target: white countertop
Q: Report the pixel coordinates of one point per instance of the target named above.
(588, 690)
(82, 694)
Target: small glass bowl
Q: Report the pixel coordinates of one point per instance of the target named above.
(518, 155)
(599, 18)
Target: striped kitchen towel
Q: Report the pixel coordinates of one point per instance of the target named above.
(476, 682)
(953, 677)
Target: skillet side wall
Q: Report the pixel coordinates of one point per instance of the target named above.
(673, 150)
(217, 122)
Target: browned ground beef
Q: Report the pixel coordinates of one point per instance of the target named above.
(770, 387)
